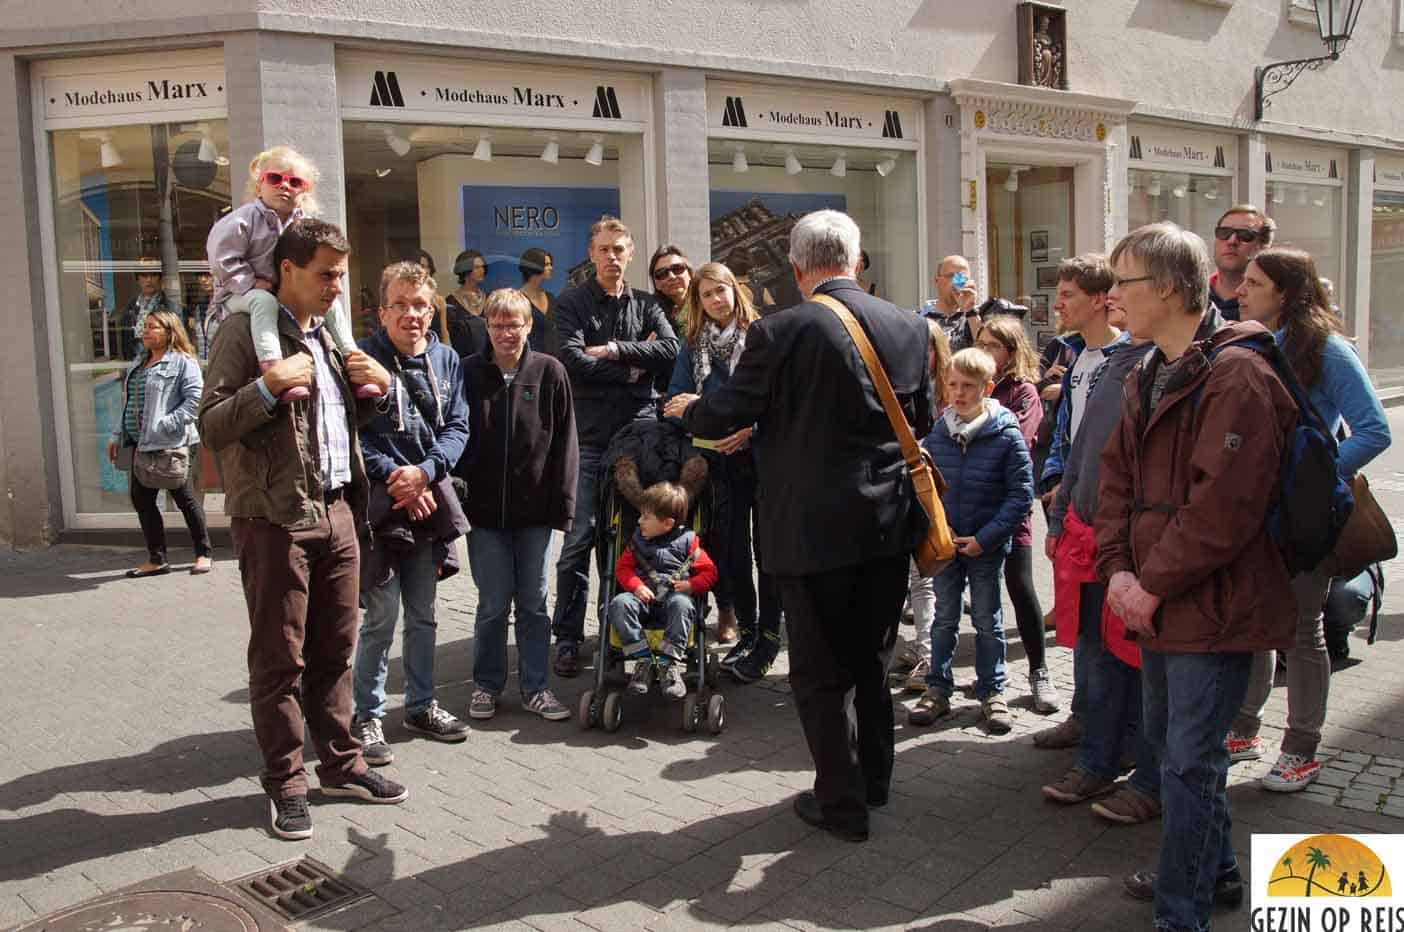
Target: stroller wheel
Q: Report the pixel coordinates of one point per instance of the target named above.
(691, 712)
(588, 714)
(613, 712)
(716, 713)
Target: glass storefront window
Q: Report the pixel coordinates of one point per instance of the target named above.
(440, 190)
(1386, 285)
(132, 206)
(1030, 229)
(757, 196)
(1195, 202)
(1311, 217)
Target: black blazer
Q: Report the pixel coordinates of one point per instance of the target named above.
(833, 488)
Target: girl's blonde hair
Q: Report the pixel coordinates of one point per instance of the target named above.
(694, 317)
(290, 158)
(1009, 331)
(940, 361)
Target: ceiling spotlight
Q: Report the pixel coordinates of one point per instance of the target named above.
(1302, 197)
(208, 152)
(885, 167)
(382, 172)
(738, 162)
(221, 160)
(1011, 184)
(107, 152)
(1212, 193)
(1319, 201)
(596, 154)
(1178, 190)
(1154, 189)
(1131, 179)
(792, 164)
(482, 152)
(840, 167)
(397, 143)
(1279, 193)
(552, 153)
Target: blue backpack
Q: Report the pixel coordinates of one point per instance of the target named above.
(1313, 502)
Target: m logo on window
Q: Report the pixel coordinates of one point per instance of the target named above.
(735, 113)
(891, 125)
(606, 104)
(385, 90)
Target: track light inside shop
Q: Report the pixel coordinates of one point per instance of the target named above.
(885, 167)
(108, 155)
(1178, 190)
(596, 154)
(738, 161)
(1279, 193)
(382, 172)
(397, 143)
(840, 167)
(792, 164)
(1302, 197)
(1212, 193)
(1011, 183)
(482, 152)
(208, 152)
(552, 153)
(1154, 189)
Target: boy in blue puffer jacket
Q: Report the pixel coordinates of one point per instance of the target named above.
(989, 489)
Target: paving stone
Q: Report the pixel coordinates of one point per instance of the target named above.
(1372, 779)
(1332, 777)
(1362, 805)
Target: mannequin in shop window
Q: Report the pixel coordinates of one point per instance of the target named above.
(462, 322)
(536, 266)
(864, 263)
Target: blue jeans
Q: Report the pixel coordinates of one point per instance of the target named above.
(983, 573)
(1089, 642)
(509, 567)
(414, 581)
(627, 615)
(1188, 703)
(573, 568)
(1113, 707)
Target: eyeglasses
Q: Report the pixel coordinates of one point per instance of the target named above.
(990, 346)
(1224, 234)
(418, 310)
(676, 269)
(507, 326)
(276, 179)
(1116, 282)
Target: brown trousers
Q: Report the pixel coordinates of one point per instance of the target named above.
(303, 589)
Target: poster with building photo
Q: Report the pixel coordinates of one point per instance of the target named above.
(751, 236)
(502, 221)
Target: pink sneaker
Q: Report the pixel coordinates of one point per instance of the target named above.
(1241, 748)
(1291, 773)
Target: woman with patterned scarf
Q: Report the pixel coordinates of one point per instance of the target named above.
(715, 315)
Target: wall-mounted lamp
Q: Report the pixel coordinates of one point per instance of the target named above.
(1335, 21)
(596, 154)
(792, 163)
(840, 167)
(397, 143)
(482, 152)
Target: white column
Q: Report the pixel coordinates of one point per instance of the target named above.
(1353, 294)
(684, 211)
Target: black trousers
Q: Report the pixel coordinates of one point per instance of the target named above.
(843, 626)
(1028, 614)
(153, 527)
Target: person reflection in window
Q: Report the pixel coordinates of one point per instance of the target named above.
(149, 297)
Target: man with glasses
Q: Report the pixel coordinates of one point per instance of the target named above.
(615, 343)
(1241, 233)
(954, 307)
(410, 450)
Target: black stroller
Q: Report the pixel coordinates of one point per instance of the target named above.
(641, 454)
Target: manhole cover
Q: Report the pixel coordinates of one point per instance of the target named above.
(301, 889)
(185, 901)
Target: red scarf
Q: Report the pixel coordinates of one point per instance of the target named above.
(1075, 563)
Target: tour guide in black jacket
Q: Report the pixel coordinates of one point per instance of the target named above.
(837, 518)
(615, 342)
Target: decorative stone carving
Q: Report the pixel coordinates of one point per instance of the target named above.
(1018, 118)
(1043, 45)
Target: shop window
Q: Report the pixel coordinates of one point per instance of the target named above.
(1311, 217)
(441, 190)
(132, 206)
(1030, 230)
(759, 190)
(1386, 285)
(1195, 202)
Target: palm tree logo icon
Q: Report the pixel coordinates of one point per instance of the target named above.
(1362, 873)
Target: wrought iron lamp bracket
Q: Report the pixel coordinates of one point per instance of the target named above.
(1273, 79)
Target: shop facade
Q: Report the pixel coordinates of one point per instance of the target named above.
(127, 143)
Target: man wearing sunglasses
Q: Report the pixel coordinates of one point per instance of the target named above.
(1241, 233)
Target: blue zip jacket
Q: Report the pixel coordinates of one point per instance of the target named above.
(1061, 444)
(989, 484)
(1344, 393)
(424, 424)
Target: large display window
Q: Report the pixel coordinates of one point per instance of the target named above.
(1178, 174)
(1306, 196)
(447, 158)
(774, 155)
(1387, 273)
(131, 200)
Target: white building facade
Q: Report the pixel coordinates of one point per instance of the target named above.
(506, 126)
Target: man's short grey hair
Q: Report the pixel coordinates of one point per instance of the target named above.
(823, 241)
(1174, 258)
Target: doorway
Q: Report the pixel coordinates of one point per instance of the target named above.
(1030, 228)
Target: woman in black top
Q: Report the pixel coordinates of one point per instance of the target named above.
(462, 324)
(537, 265)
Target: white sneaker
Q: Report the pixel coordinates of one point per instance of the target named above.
(1045, 694)
(1291, 773)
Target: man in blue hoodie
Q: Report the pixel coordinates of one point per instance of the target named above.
(410, 451)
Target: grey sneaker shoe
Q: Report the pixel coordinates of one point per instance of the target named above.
(997, 718)
(483, 705)
(371, 734)
(289, 817)
(673, 685)
(1045, 694)
(642, 678)
(437, 723)
(546, 705)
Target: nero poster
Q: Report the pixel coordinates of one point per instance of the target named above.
(751, 236)
(502, 221)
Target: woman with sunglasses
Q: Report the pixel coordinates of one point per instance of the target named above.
(671, 271)
(240, 251)
(1281, 290)
(1016, 388)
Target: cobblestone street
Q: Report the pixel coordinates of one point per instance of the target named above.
(127, 753)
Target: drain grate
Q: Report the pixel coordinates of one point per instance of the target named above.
(301, 889)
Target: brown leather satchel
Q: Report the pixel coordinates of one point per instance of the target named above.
(938, 547)
(1367, 537)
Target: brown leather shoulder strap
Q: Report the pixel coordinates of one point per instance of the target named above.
(910, 452)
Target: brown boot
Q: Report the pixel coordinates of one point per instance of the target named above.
(726, 625)
(1068, 734)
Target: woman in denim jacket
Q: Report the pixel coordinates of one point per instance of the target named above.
(160, 396)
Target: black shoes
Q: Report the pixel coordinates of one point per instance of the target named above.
(370, 787)
(807, 808)
(567, 661)
(289, 818)
(1228, 889)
